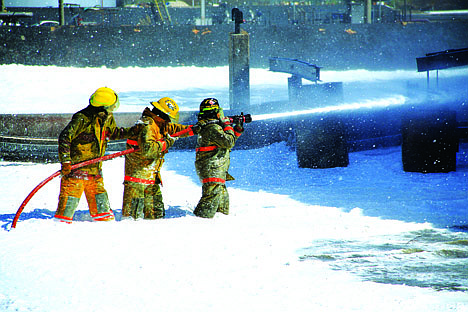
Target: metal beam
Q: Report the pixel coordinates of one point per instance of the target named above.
(443, 60)
(295, 67)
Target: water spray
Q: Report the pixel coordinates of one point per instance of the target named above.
(380, 103)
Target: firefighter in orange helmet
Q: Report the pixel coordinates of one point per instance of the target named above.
(142, 197)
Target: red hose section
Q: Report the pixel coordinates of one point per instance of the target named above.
(56, 174)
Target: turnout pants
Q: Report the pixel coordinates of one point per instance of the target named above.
(215, 198)
(71, 190)
(142, 201)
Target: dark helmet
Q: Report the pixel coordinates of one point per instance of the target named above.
(209, 109)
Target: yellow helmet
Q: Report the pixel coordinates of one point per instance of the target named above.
(169, 107)
(105, 97)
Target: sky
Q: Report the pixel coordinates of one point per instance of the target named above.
(364, 237)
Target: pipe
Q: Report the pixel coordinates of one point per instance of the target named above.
(368, 9)
(61, 13)
(202, 13)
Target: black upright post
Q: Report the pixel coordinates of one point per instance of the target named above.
(238, 18)
(61, 13)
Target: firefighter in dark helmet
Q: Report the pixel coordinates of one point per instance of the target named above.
(216, 138)
(84, 138)
(142, 194)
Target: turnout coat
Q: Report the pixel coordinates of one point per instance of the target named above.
(214, 144)
(144, 165)
(86, 137)
(212, 162)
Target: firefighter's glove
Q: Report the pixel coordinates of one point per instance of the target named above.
(239, 124)
(225, 122)
(238, 128)
(169, 140)
(136, 129)
(196, 128)
(66, 168)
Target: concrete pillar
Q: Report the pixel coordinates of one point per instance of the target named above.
(294, 86)
(203, 12)
(239, 71)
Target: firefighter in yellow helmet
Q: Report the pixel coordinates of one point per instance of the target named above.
(84, 138)
(142, 195)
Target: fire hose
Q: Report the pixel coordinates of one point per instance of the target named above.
(56, 174)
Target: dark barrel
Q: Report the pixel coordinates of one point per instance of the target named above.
(321, 143)
(430, 141)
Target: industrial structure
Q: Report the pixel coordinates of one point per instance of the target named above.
(201, 12)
